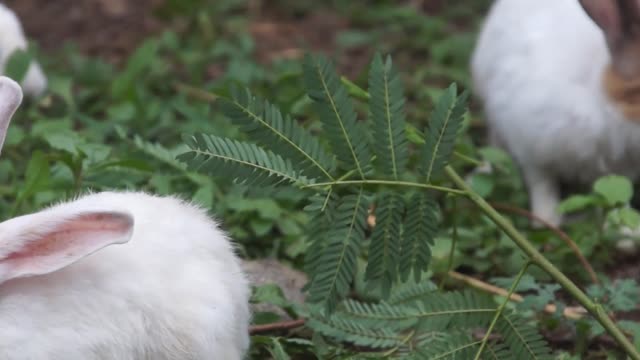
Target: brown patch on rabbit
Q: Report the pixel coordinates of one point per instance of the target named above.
(623, 92)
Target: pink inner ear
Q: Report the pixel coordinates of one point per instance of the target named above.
(68, 242)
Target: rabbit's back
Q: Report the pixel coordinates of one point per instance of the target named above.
(12, 38)
(538, 67)
(175, 291)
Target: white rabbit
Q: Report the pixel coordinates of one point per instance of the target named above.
(125, 276)
(12, 38)
(560, 84)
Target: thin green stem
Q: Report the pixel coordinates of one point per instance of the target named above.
(468, 159)
(403, 342)
(355, 90)
(538, 259)
(500, 309)
(346, 175)
(387, 182)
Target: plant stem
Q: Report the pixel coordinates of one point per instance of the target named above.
(388, 182)
(537, 258)
(500, 309)
(468, 159)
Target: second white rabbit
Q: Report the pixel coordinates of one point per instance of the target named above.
(560, 85)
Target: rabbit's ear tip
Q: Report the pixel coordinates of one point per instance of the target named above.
(10, 91)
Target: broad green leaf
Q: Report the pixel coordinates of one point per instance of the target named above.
(577, 202)
(17, 65)
(614, 189)
(277, 350)
(626, 216)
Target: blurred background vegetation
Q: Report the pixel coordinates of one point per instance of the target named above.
(128, 78)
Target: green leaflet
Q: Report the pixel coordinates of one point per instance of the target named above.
(346, 136)
(244, 162)
(335, 268)
(384, 251)
(420, 227)
(437, 326)
(523, 340)
(264, 123)
(444, 124)
(386, 108)
(322, 206)
(353, 332)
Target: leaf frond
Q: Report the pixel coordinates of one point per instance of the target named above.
(444, 124)
(384, 250)
(386, 108)
(523, 340)
(420, 228)
(245, 163)
(335, 270)
(264, 123)
(346, 136)
(352, 332)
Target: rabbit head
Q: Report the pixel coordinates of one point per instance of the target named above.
(620, 22)
(12, 38)
(47, 241)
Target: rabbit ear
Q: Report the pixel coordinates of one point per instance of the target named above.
(620, 22)
(606, 14)
(10, 99)
(44, 242)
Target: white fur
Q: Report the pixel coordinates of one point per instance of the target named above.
(118, 275)
(538, 68)
(174, 291)
(12, 38)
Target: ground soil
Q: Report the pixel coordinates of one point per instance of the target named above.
(107, 28)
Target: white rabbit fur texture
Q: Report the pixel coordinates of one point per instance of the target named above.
(118, 275)
(12, 38)
(174, 291)
(538, 68)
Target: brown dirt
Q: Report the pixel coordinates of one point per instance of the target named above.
(279, 38)
(112, 29)
(107, 28)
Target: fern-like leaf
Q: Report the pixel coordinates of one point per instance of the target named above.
(380, 314)
(264, 123)
(410, 292)
(444, 124)
(386, 107)
(455, 346)
(353, 332)
(420, 229)
(523, 340)
(243, 162)
(465, 309)
(435, 312)
(321, 209)
(346, 136)
(384, 250)
(335, 270)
